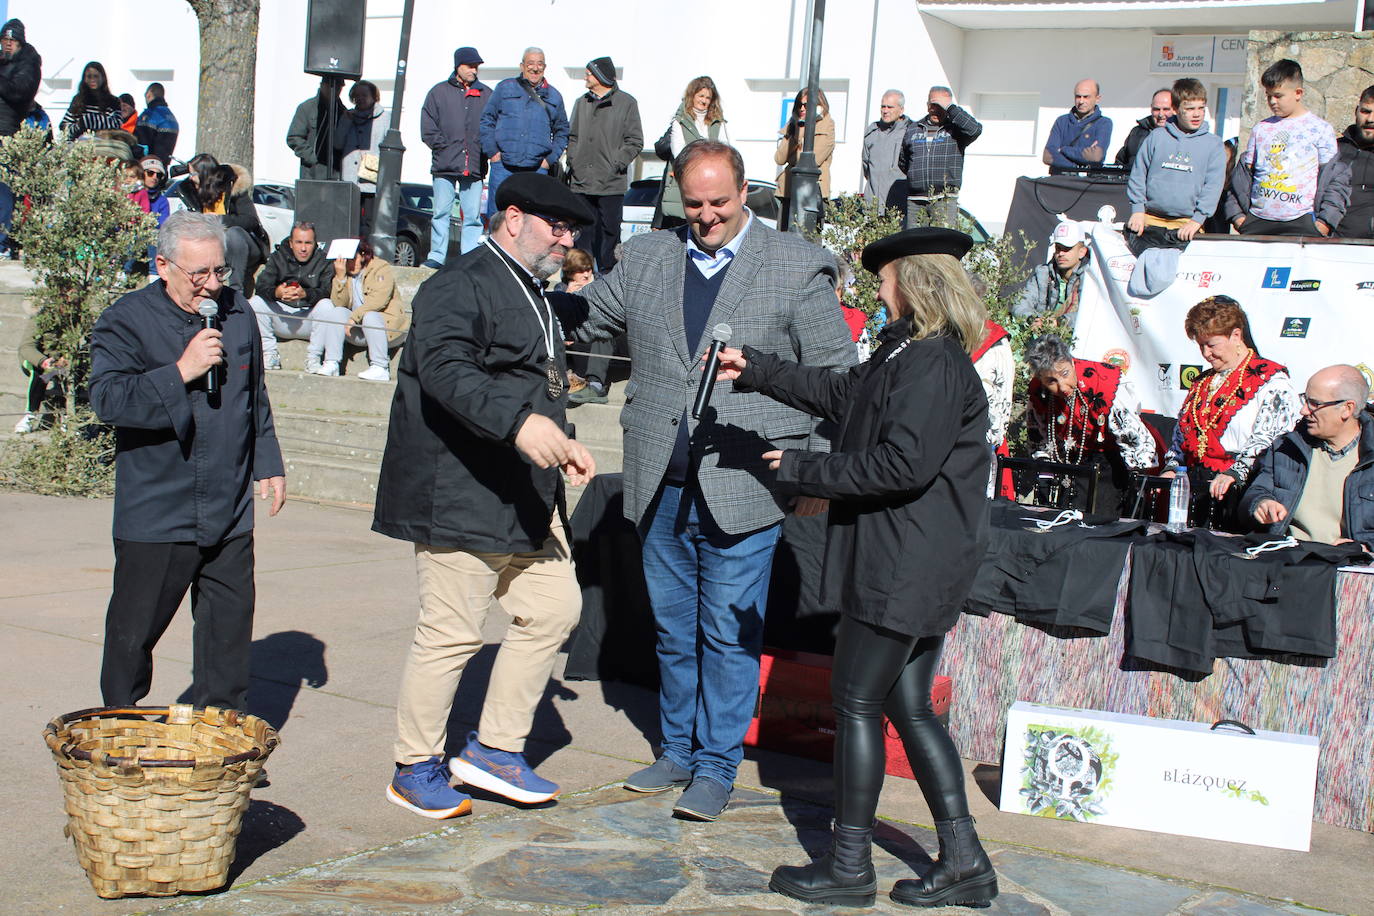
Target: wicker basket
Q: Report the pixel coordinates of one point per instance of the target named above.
(155, 796)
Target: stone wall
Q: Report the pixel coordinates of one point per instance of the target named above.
(1336, 68)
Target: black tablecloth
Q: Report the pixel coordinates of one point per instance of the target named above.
(1037, 202)
(1194, 602)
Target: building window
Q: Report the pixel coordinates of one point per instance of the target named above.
(1008, 120)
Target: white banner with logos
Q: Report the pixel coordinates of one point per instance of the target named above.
(1163, 775)
(1310, 305)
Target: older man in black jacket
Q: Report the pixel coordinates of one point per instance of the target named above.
(193, 430)
(20, 71)
(471, 476)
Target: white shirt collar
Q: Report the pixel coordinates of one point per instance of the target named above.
(726, 252)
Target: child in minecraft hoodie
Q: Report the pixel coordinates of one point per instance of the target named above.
(1289, 180)
(1177, 177)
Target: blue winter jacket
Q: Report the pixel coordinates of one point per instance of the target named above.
(522, 130)
(1070, 136)
(1282, 474)
(158, 130)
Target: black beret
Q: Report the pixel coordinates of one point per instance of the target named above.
(921, 240)
(535, 192)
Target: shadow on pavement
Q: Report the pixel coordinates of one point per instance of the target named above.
(989, 780)
(640, 706)
(265, 827)
(281, 663)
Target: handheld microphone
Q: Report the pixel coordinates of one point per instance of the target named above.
(209, 314)
(720, 336)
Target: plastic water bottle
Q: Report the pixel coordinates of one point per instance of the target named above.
(1180, 492)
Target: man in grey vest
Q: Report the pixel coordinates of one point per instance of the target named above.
(699, 490)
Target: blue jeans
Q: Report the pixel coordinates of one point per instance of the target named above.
(6, 214)
(709, 590)
(497, 173)
(468, 193)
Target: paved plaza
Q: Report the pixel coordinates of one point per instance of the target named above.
(336, 608)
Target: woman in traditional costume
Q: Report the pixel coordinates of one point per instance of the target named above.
(1232, 412)
(1086, 413)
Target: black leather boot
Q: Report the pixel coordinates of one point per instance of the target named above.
(842, 876)
(963, 876)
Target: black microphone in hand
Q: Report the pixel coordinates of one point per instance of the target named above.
(720, 336)
(209, 314)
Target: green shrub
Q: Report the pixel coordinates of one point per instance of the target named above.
(77, 228)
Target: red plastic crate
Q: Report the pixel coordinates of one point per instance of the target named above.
(793, 712)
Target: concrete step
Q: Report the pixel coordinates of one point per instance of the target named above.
(333, 435)
(331, 479)
(293, 390)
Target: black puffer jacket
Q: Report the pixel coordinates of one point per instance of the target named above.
(907, 481)
(451, 126)
(315, 275)
(19, 76)
(1358, 221)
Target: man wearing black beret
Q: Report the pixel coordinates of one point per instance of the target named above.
(472, 475)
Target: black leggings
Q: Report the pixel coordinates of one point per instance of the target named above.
(880, 671)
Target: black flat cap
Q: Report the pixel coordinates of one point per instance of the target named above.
(922, 240)
(535, 192)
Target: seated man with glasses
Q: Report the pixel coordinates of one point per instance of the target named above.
(1317, 482)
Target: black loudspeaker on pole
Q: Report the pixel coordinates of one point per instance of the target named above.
(334, 37)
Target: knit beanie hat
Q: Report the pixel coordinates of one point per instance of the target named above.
(604, 70)
(13, 29)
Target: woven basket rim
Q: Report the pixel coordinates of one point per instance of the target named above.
(67, 749)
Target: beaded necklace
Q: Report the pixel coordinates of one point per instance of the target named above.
(1206, 410)
(1072, 410)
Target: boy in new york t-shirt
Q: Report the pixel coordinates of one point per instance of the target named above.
(1291, 181)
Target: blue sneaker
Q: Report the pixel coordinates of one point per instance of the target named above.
(423, 788)
(501, 772)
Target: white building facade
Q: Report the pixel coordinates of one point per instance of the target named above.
(1012, 64)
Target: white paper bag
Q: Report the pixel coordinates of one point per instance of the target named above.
(1160, 774)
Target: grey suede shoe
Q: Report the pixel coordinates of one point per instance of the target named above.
(663, 775)
(704, 799)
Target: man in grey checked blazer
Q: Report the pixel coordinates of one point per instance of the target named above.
(700, 492)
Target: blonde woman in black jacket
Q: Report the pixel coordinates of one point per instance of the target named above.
(907, 485)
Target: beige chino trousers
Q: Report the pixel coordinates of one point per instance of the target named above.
(457, 588)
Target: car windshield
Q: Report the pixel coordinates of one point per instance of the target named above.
(417, 198)
(643, 193)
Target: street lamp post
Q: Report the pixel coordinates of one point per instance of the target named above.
(391, 152)
(804, 184)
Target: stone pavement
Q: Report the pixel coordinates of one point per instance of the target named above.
(336, 611)
(616, 852)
